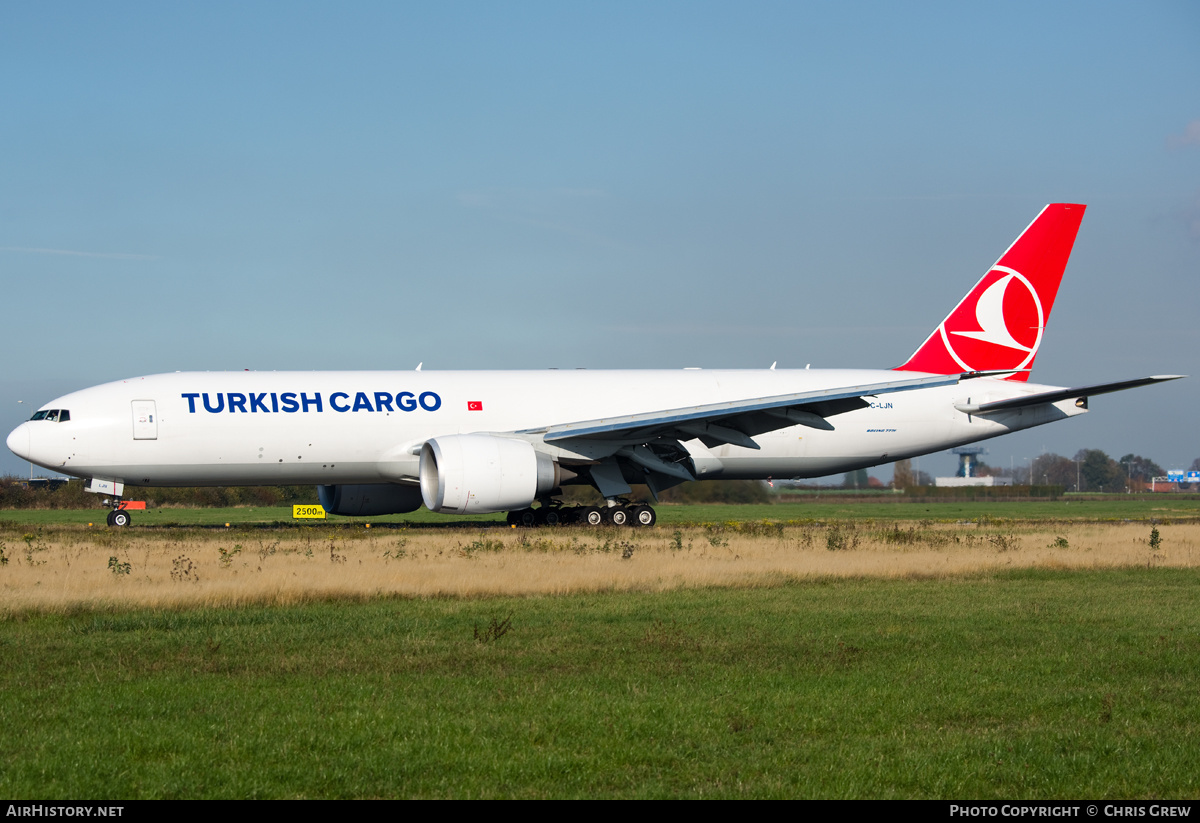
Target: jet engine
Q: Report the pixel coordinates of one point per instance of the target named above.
(481, 473)
(369, 499)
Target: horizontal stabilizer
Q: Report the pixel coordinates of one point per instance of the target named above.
(1064, 394)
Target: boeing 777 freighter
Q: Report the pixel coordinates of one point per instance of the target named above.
(499, 441)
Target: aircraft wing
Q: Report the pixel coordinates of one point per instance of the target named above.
(1080, 392)
(738, 421)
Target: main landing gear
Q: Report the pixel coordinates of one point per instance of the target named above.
(551, 514)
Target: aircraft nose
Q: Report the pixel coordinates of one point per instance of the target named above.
(18, 441)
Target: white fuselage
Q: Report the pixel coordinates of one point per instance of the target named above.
(270, 428)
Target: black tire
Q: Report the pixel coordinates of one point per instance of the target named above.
(120, 518)
(511, 518)
(644, 516)
(619, 516)
(527, 518)
(108, 519)
(591, 516)
(552, 517)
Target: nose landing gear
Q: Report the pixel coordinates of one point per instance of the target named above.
(118, 517)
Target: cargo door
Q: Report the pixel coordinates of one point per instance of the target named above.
(145, 420)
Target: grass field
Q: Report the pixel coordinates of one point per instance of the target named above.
(1030, 684)
(950, 655)
(67, 568)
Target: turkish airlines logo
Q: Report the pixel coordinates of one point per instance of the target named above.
(998, 326)
(474, 405)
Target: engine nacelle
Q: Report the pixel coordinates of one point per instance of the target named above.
(369, 499)
(481, 473)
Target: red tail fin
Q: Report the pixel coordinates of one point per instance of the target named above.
(998, 326)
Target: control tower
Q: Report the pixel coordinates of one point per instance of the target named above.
(966, 459)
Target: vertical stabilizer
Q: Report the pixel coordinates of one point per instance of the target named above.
(999, 325)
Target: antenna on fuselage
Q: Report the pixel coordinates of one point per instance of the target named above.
(419, 365)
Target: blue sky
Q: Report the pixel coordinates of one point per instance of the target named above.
(609, 185)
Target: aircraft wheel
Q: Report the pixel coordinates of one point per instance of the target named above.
(119, 518)
(552, 517)
(511, 518)
(644, 516)
(527, 518)
(618, 516)
(591, 516)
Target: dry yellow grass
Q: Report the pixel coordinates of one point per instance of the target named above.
(67, 568)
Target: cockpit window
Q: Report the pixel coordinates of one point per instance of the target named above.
(64, 416)
(52, 415)
(39, 415)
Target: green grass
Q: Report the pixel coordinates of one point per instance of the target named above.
(1024, 685)
(887, 508)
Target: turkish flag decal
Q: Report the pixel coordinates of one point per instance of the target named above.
(474, 405)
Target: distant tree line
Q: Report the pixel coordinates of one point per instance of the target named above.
(700, 491)
(1090, 470)
(16, 493)
(904, 477)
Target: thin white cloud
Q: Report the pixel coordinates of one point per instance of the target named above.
(540, 208)
(565, 229)
(746, 330)
(1190, 136)
(475, 199)
(71, 253)
(525, 198)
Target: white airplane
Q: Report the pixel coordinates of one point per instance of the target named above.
(475, 442)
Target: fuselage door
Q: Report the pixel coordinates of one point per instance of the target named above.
(145, 420)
